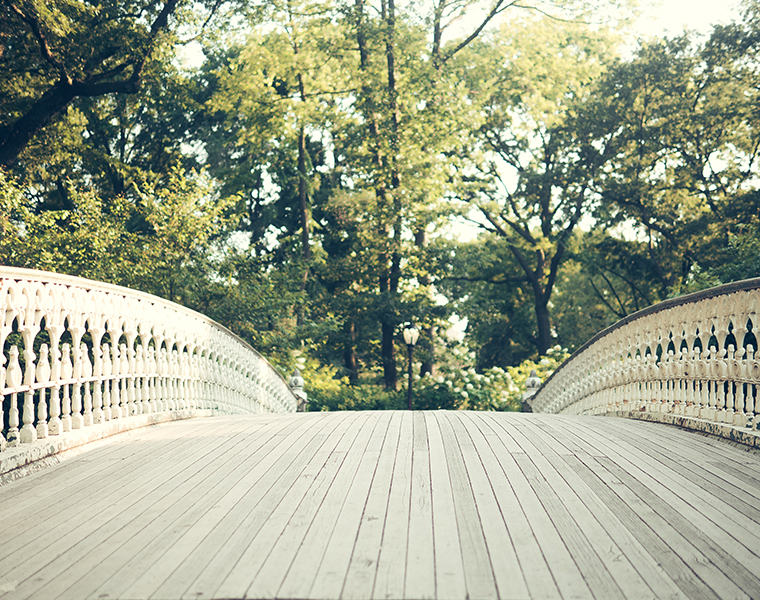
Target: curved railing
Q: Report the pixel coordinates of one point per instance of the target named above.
(693, 356)
(77, 353)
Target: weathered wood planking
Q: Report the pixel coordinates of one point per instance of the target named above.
(440, 505)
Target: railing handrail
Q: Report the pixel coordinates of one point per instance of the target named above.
(50, 277)
(159, 357)
(539, 401)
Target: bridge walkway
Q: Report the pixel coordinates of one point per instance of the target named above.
(355, 505)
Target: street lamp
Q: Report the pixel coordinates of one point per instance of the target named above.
(410, 337)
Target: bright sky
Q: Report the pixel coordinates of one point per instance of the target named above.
(672, 16)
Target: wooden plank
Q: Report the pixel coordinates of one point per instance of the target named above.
(391, 562)
(362, 569)
(209, 564)
(730, 557)
(450, 582)
(593, 570)
(715, 481)
(281, 558)
(738, 459)
(46, 503)
(479, 575)
(743, 457)
(395, 505)
(300, 579)
(584, 522)
(419, 581)
(644, 526)
(487, 480)
(563, 574)
(692, 476)
(690, 473)
(190, 553)
(137, 554)
(147, 534)
(260, 545)
(73, 556)
(73, 524)
(331, 576)
(501, 470)
(721, 550)
(646, 565)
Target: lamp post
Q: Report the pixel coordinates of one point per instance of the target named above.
(410, 337)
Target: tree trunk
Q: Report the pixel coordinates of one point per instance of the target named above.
(349, 352)
(303, 198)
(544, 337)
(390, 372)
(427, 341)
(16, 137)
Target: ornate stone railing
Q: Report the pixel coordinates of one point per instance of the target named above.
(77, 353)
(694, 356)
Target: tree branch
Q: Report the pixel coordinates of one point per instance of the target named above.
(47, 54)
(498, 7)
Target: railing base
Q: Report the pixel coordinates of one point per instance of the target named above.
(743, 436)
(25, 459)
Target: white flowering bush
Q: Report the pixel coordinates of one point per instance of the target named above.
(493, 389)
(456, 386)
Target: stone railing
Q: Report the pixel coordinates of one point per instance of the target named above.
(694, 356)
(77, 353)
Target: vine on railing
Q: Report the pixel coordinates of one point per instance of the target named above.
(694, 356)
(77, 352)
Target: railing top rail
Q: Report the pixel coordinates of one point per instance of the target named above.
(713, 292)
(19, 274)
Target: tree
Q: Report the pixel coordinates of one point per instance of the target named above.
(682, 116)
(54, 52)
(535, 174)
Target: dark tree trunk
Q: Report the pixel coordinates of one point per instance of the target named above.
(544, 337)
(390, 372)
(16, 137)
(349, 352)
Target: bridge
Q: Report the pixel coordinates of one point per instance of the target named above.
(254, 500)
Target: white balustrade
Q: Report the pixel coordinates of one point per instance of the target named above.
(694, 356)
(78, 353)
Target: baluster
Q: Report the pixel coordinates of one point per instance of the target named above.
(750, 403)
(680, 383)
(139, 375)
(732, 373)
(720, 384)
(741, 376)
(42, 375)
(131, 392)
(712, 386)
(28, 433)
(123, 370)
(162, 392)
(86, 375)
(116, 412)
(66, 370)
(172, 371)
(106, 372)
(691, 409)
(177, 379)
(98, 414)
(153, 380)
(55, 426)
(13, 377)
(77, 420)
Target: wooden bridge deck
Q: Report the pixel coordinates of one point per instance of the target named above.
(389, 505)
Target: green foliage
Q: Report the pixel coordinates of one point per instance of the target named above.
(88, 241)
(453, 388)
(299, 187)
